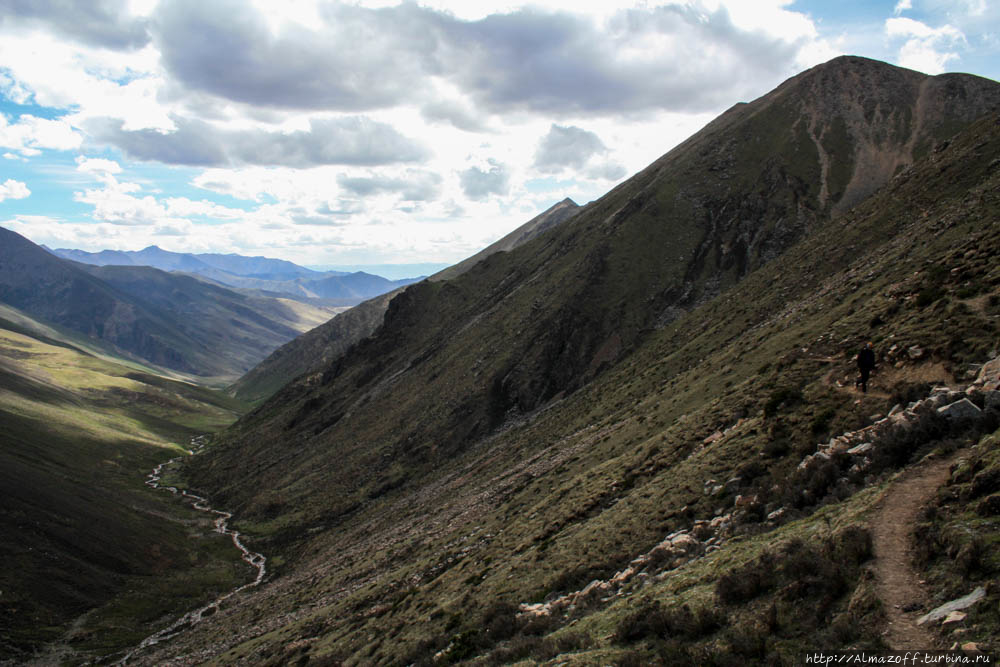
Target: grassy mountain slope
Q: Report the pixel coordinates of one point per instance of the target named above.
(527, 327)
(239, 329)
(322, 346)
(170, 321)
(82, 534)
(313, 349)
(505, 438)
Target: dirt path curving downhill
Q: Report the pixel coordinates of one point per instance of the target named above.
(898, 585)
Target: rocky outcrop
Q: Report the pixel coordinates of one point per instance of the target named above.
(964, 407)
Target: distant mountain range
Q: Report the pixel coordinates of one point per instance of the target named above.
(172, 321)
(276, 276)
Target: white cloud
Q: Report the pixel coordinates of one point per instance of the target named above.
(98, 166)
(30, 134)
(925, 48)
(409, 133)
(902, 6)
(11, 189)
(478, 184)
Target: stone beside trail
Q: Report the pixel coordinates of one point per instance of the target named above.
(897, 583)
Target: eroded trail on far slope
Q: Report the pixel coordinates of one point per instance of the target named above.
(898, 585)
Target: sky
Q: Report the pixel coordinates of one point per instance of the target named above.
(380, 132)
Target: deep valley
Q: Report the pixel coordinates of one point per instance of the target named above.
(627, 433)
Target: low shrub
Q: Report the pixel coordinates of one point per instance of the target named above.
(781, 397)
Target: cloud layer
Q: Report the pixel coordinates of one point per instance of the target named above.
(371, 130)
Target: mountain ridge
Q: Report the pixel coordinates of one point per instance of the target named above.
(549, 415)
(609, 287)
(714, 410)
(274, 276)
(172, 321)
(328, 342)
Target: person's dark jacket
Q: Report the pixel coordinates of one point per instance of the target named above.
(866, 359)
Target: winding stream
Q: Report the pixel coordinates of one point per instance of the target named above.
(256, 560)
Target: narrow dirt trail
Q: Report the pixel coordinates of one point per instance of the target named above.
(898, 585)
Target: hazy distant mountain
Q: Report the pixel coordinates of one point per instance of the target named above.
(539, 428)
(170, 320)
(261, 273)
(201, 263)
(388, 271)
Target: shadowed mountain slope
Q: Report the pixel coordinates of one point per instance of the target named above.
(540, 421)
(313, 349)
(455, 360)
(711, 415)
(168, 320)
(86, 545)
(322, 345)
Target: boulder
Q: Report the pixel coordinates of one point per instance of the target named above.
(989, 507)
(955, 605)
(623, 576)
(712, 438)
(953, 619)
(989, 374)
(686, 542)
(991, 400)
(596, 588)
(537, 609)
(640, 561)
(861, 449)
(960, 410)
(903, 419)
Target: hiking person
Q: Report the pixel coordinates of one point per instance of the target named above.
(866, 364)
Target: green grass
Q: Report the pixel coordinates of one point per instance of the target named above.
(491, 516)
(83, 534)
(958, 539)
